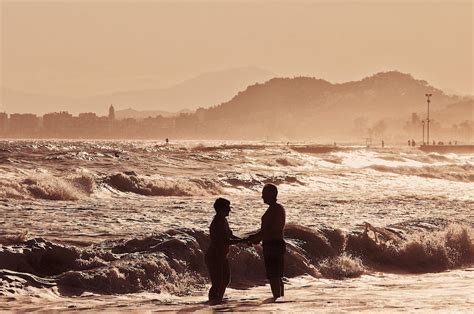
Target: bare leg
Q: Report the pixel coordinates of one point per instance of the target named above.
(225, 278)
(215, 269)
(275, 284)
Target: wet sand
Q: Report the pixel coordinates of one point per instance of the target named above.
(449, 291)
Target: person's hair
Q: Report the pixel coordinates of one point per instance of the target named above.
(271, 188)
(221, 203)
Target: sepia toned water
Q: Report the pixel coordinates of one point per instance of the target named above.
(125, 223)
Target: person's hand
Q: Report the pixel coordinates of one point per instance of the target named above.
(247, 241)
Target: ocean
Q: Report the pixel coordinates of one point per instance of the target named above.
(125, 224)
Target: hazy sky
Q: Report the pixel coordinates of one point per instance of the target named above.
(79, 48)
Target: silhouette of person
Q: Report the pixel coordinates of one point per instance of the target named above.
(167, 141)
(383, 144)
(271, 235)
(216, 255)
(409, 143)
(413, 143)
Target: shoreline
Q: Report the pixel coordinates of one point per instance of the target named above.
(445, 291)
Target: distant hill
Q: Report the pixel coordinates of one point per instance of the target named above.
(202, 91)
(136, 114)
(456, 112)
(304, 107)
(387, 105)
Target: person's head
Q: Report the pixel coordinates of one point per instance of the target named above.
(222, 206)
(269, 194)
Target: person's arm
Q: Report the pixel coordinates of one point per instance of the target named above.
(232, 239)
(236, 240)
(255, 238)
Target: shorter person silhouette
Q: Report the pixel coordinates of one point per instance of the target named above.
(216, 256)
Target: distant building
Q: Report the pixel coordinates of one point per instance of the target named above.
(57, 123)
(23, 124)
(88, 116)
(111, 112)
(3, 122)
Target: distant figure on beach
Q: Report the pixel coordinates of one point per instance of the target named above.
(409, 143)
(383, 144)
(413, 143)
(271, 235)
(167, 141)
(434, 143)
(216, 255)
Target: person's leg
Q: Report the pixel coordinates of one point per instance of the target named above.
(275, 285)
(281, 270)
(271, 266)
(213, 293)
(273, 254)
(215, 273)
(225, 277)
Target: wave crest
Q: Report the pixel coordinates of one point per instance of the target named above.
(422, 251)
(173, 261)
(131, 182)
(463, 173)
(49, 187)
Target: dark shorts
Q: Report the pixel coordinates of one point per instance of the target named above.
(273, 255)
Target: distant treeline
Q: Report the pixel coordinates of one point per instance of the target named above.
(198, 126)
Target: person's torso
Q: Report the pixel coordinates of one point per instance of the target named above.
(219, 232)
(273, 223)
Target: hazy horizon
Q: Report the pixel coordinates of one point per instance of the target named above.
(85, 49)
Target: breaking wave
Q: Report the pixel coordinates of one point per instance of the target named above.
(80, 185)
(49, 187)
(288, 162)
(224, 147)
(173, 261)
(131, 182)
(252, 182)
(421, 252)
(462, 173)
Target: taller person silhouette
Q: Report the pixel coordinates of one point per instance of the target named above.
(271, 236)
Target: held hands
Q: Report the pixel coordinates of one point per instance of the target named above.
(252, 239)
(243, 240)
